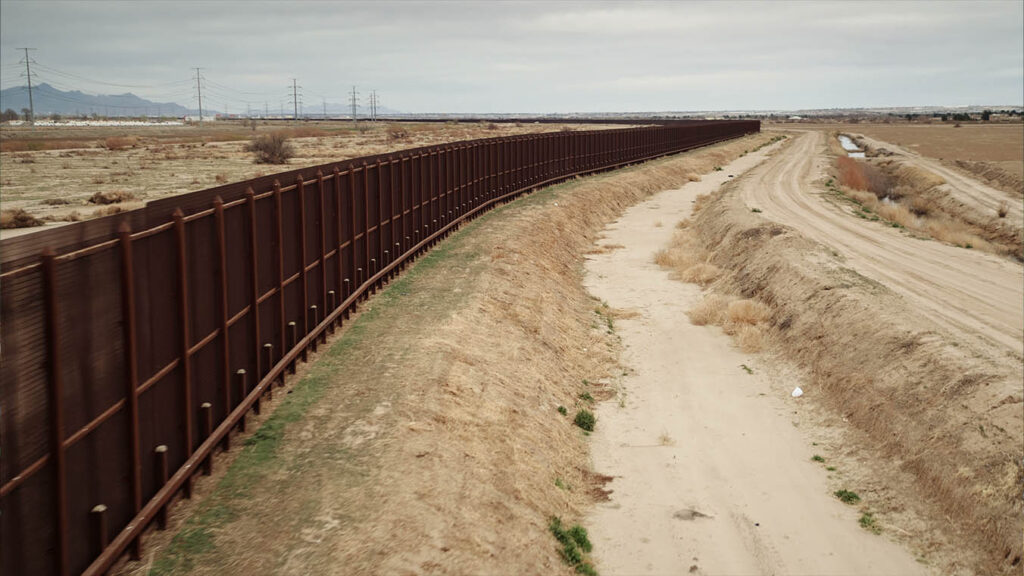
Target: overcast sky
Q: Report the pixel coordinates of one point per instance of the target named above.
(528, 57)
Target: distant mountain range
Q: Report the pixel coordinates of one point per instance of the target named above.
(49, 100)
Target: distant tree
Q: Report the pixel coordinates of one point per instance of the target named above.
(9, 115)
(985, 115)
(26, 114)
(55, 117)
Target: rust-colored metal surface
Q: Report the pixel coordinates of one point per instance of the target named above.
(134, 345)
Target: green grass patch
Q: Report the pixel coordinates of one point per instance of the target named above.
(575, 544)
(586, 397)
(847, 496)
(867, 521)
(817, 458)
(585, 419)
(562, 410)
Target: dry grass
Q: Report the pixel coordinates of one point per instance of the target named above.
(111, 197)
(917, 200)
(18, 218)
(747, 312)
(120, 142)
(115, 209)
(711, 311)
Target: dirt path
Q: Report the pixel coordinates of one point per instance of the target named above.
(978, 297)
(711, 475)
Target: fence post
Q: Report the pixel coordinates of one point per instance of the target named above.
(206, 423)
(132, 376)
(300, 189)
(222, 281)
(254, 296)
(186, 357)
(56, 395)
(98, 519)
(322, 228)
(160, 454)
(337, 235)
(242, 392)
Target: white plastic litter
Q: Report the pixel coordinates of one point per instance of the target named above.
(797, 392)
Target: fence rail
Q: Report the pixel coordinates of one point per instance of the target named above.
(133, 346)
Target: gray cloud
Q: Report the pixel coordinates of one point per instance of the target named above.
(532, 57)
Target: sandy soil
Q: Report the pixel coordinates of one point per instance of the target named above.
(979, 297)
(711, 475)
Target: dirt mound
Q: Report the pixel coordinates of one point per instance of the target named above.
(926, 405)
(992, 175)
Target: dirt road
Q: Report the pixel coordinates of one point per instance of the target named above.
(978, 297)
(711, 475)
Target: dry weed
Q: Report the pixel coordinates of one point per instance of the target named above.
(111, 197)
(750, 339)
(18, 218)
(747, 312)
(711, 311)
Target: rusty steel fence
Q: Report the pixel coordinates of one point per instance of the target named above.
(134, 346)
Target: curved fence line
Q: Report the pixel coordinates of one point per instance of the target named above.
(133, 348)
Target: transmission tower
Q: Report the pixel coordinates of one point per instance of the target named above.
(354, 100)
(296, 99)
(199, 92)
(28, 76)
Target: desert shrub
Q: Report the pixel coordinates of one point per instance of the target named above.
(56, 201)
(397, 132)
(863, 176)
(585, 419)
(492, 126)
(1004, 209)
(111, 197)
(271, 148)
(18, 218)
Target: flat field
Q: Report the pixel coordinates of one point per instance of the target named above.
(51, 172)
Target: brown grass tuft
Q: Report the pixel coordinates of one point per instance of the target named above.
(711, 311)
(111, 197)
(749, 312)
(18, 218)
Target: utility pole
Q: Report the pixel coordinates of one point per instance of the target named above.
(28, 75)
(295, 100)
(354, 102)
(199, 91)
(266, 109)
